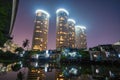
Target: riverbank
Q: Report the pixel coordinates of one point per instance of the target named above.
(103, 62)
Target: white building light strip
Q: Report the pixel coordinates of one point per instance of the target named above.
(61, 9)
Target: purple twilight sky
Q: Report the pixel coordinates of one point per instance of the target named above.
(101, 18)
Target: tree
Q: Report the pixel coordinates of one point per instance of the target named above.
(26, 43)
(19, 49)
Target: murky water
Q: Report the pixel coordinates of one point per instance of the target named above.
(56, 71)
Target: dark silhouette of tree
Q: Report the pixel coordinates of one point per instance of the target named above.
(19, 49)
(26, 43)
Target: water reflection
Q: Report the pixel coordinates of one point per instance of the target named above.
(56, 71)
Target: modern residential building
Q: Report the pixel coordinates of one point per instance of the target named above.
(71, 33)
(117, 46)
(8, 11)
(62, 28)
(104, 52)
(80, 37)
(40, 35)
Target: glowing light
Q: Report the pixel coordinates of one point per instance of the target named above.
(119, 55)
(72, 20)
(46, 66)
(39, 10)
(72, 54)
(36, 64)
(47, 51)
(82, 27)
(61, 9)
(36, 56)
(47, 54)
(73, 71)
(95, 55)
(97, 71)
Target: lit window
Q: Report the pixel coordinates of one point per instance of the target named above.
(39, 14)
(38, 21)
(45, 42)
(61, 42)
(40, 45)
(36, 38)
(65, 33)
(45, 22)
(36, 47)
(61, 32)
(60, 24)
(62, 18)
(42, 39)
(72, 45)
(37, 26)
(45, 32)
(81, 35)
(37, 31)
(73, 35)
(40, 31)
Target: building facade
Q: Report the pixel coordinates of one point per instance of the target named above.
(62, 28)
(71, 34)
(40, 35)
(8, 11)
(80, 37)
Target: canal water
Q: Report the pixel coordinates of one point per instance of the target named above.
(56, 71)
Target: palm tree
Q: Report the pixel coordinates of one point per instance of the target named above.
(26, 43)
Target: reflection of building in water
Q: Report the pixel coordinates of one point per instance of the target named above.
(105, 72)
(7, 68)
(59, 75)
(36, 74)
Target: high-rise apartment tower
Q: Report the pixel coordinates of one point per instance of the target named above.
(80, 38)
(62, 28)
(71, 33)
(40, 36)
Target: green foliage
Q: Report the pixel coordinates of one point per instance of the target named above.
(8, 56)
(19, 49)
(5, 19)
(63, 57)
(85, 54)
(3, 39)
(86, 70)
(28, 54)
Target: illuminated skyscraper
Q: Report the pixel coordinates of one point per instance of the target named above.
(62, 28)
(40, 36)
(71, 26)
(80, 37)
